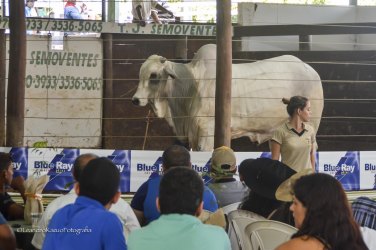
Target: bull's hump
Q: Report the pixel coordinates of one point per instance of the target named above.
(284, 58)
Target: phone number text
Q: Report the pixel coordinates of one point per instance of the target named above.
(63, 82)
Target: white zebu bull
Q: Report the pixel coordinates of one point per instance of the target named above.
(184, 94)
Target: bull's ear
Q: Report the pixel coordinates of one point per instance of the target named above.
(168, 68)
(162, 59)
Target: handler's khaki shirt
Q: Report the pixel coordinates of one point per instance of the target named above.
(295, 149)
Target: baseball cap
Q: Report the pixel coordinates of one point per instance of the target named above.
(223, 160)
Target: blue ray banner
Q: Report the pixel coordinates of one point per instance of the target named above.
(356, 170)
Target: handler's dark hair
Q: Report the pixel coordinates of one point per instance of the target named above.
(328, 215)
(100, 180)
(80, 163)
(294, 103)
(180, 191)
(5, 160)
(176, 156)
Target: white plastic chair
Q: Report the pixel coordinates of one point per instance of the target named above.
(230, 207)
(238, 221)
(267, 234)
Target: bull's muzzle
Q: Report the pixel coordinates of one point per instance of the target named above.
(136, 101)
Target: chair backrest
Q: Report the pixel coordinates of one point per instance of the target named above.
(217, 218)
(267, 234)
(238, 220)
(230, 207)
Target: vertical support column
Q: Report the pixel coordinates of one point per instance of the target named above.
(113, 11)
(16, 75)
(181, 48)
(107, 92)
(222, 132)
(305, 42)
(104, 11)
(2, 86)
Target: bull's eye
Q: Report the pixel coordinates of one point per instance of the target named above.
(153, 79)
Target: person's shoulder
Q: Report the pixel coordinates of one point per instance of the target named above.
(61, 201)
(303, 242)
(212, 230)
(217, 235)
(122, 204)
(120, 207)
(309, 127)
(107, 215)
(60, 215)
(2, 219)
(281, 129)
(136, 237)
(62, 210)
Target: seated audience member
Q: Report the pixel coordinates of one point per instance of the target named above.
(143, 202)
(120, 208)
(10, 209)
(144, 11)
(225, 187)
(323, 216)
(263, 176)
(7, 239)
(180, 202)
(71, 11)
(29, 9)
(364, 211)
(87, 223)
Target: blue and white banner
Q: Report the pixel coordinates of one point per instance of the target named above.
(57, 163)
(356, 170)
(367, 170)
(143, 164)
(122, 160)
(20, 158)
(344, 166)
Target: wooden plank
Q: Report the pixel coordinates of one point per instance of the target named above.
(308, 56)
(305, 29)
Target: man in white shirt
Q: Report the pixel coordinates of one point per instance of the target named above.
(143, 11)
(122, 209)
(29, 9)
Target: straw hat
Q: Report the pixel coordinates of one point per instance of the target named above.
(284, 191)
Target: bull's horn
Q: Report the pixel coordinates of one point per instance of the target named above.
(163, 59)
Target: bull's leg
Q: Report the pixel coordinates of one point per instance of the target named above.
(196, 136)
(205, 135)
(206, 143)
